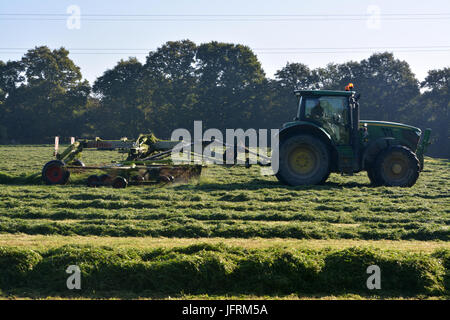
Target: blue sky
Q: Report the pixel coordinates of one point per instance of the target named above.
(423, 41)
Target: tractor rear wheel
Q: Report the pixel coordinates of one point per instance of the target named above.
(397, 166)
(54, 172)
(303, 160)
(119, 183)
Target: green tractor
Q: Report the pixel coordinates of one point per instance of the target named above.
(327, 136)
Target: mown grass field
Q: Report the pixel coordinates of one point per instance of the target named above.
(232, 232)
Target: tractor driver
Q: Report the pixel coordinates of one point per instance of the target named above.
(317, 111)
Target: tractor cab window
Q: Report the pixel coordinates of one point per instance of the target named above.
(331, 113)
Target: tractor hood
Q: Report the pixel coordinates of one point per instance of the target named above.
(407, 135)
(387, 124)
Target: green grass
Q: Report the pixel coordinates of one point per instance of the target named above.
(220, 269)
(235, 206)
(40, 242)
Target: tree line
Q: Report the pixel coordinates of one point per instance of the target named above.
(44, 94)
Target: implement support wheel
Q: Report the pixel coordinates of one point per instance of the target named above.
(119, 183)
(78, 163)
(93, 181)
(54, 172)
(105, 179)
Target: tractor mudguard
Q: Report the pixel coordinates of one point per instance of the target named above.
(303, 127)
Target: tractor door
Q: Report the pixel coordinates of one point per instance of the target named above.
(331, 113)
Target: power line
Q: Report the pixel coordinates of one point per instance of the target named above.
(256, 52)
(426, 19)
(224, 17)
(350, 51)
(263, 48)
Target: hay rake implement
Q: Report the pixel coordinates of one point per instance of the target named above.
(149, 161)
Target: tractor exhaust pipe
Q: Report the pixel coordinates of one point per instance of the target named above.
(355, 132)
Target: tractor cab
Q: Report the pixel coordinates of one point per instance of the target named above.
(337, 113)
(327, 109)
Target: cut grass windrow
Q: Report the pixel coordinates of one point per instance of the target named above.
(191, 228)
(220, 269)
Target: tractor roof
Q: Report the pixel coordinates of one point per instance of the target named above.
(323, 93)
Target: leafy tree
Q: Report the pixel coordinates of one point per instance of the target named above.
(222, 84)
(170, 86)
(120, 111)
(229, 78)
(295, 76)
(43, 93)
(386, 84)
(291, 77)
(433, 110)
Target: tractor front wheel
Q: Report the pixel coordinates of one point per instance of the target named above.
(397, 166)
(373, 177)
(54, 172)
(303, 160)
